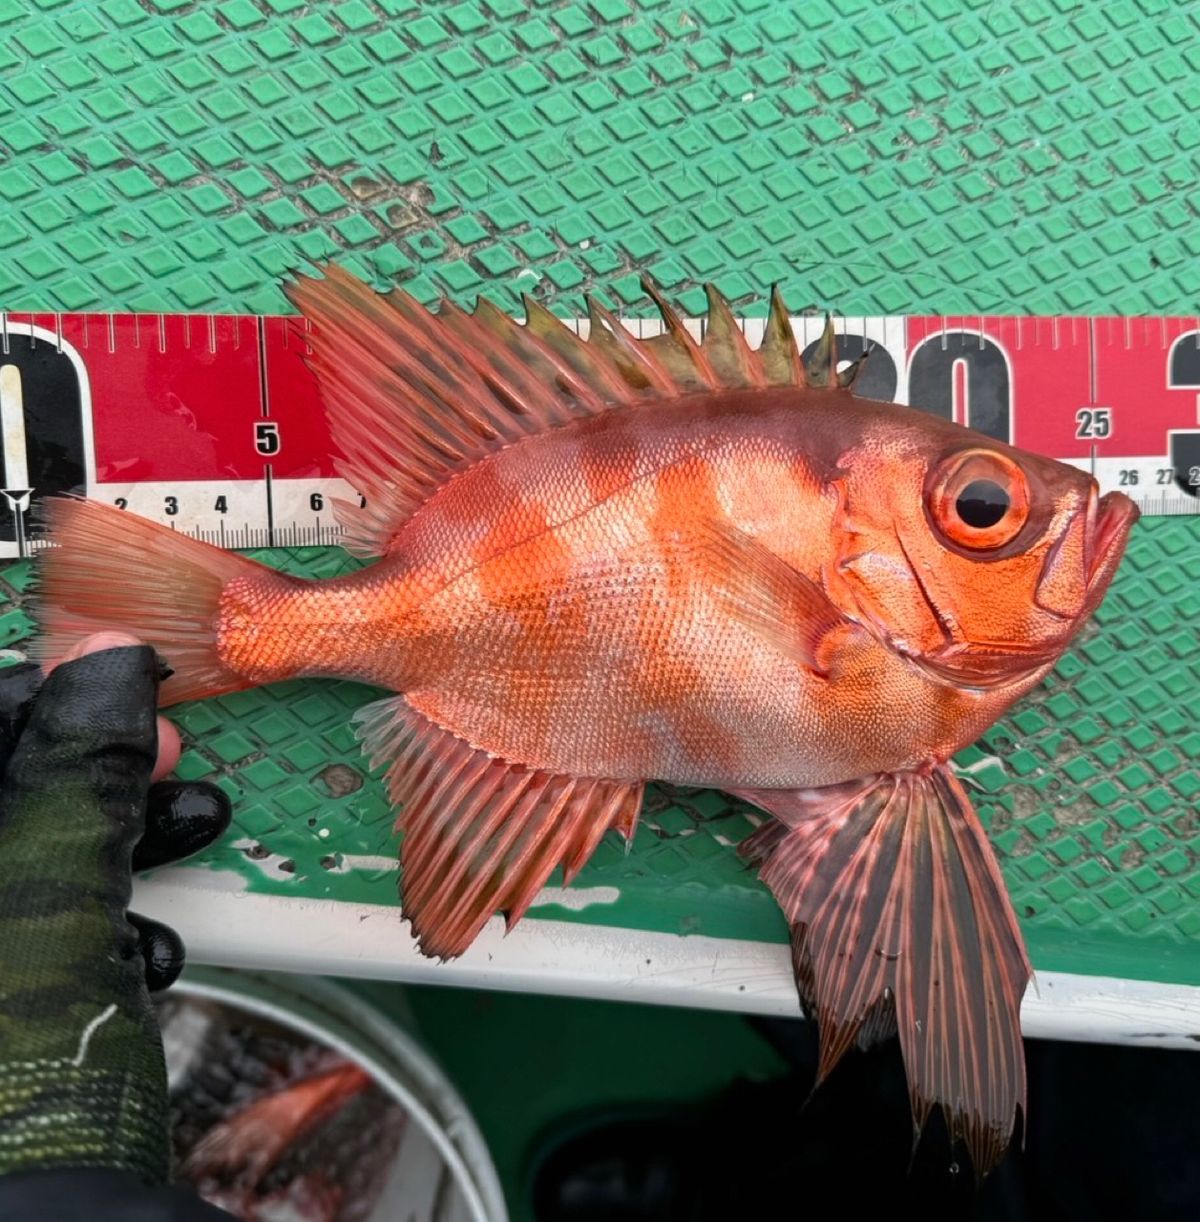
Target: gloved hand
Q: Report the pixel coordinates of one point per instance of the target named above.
(82, 1080)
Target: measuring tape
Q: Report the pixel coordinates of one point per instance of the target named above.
(212, 424)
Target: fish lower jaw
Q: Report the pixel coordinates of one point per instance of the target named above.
(969, 675)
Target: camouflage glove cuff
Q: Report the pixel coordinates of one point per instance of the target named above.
(82, 1082)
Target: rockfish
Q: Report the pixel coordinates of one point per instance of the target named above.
(609, 561)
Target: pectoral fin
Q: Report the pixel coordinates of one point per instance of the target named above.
(898, 910)
(780, 604)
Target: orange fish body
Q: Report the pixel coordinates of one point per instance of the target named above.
(608, 562)
(554, 605)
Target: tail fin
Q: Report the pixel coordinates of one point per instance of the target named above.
(110, 569)
(900, 920)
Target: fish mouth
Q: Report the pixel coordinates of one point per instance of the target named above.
(1110, 519)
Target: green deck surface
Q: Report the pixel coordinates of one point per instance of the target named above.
(899, 157)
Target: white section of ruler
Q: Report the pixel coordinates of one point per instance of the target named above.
(221, 923)
(234, 513)
(1149, 479)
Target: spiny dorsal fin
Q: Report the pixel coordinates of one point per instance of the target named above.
(676, 349)
(822, 365)
(779, 355)
(848, 376)
(414, 397)
(725, 346)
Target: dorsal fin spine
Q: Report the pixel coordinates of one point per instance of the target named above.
(416, 397)
(681, 336)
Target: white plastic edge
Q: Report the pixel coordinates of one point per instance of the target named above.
(236, 928)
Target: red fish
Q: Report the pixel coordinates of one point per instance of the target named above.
(609, 561)
(232, 1159)
(252, 1141)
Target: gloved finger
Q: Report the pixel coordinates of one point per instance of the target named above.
(18, 686)
(89, 745)
(169, 749)
(182, 817)
(161, 949)
(169, 746)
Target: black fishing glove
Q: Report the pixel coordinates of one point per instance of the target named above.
(83, 1099)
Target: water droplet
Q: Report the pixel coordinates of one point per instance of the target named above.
(953, 1168)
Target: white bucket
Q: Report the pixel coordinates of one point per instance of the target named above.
(446, 1140)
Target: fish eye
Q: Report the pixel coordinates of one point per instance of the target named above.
(982, 503)
(978, 499)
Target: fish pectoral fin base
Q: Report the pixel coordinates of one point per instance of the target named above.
(899, 914)
(414, 397)
(481, 835)
(781, 605)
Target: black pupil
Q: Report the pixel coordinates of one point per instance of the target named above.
(982, 503)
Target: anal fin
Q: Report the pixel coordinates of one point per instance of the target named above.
(896, 905)
(481, 835)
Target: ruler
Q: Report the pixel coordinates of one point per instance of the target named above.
(212, 424)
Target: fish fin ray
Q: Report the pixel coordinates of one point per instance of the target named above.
(414, 397)
(112, 570)
(822, 365)
(779, 356)
(894, 898)
(732, 359)
(481, 835)
(764, 593)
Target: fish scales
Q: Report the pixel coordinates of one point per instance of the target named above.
(611, 561)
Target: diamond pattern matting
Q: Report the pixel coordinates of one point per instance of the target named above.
(952, 155)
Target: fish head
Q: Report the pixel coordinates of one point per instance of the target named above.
(977, 560)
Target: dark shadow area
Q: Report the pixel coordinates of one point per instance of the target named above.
(1113, 1134)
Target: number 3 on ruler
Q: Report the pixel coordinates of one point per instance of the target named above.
(266, 437)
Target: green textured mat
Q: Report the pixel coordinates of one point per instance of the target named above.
(936, 157)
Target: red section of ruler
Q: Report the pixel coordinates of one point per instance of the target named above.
(305, 450)
(1048, 366)
(184, 397)
(1133, 367)
(177, 397)
(171, 396)
(1059, 365)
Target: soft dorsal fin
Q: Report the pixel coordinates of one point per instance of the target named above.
(414, 397)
